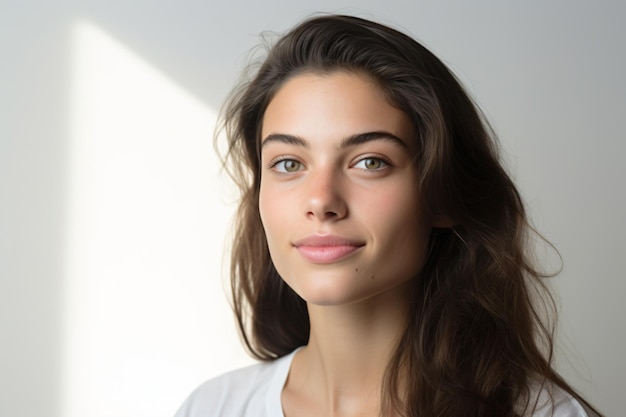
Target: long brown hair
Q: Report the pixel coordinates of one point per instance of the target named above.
(477, 339)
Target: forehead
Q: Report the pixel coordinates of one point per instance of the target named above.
(338, 104)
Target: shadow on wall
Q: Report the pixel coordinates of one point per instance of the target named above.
(146, 227)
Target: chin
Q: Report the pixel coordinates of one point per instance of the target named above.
(339, 289)
(328, 288)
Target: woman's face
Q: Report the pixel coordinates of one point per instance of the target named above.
(338, 198)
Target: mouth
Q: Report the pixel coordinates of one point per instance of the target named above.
(323, 249)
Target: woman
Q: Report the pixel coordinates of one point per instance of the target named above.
(380, 264)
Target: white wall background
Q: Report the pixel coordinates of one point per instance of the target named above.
(113, 216)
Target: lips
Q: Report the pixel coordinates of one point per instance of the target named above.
(327, 248)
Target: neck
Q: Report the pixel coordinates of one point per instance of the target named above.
(353, 343)
(349, 348)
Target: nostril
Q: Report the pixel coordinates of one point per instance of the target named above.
(328, 214)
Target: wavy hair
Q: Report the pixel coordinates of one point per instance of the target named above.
(477, 338)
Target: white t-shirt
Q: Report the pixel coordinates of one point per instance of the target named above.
(255, 391)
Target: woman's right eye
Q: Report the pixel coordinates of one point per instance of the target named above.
(287, 165)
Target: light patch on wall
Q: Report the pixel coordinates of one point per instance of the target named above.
(146, 315)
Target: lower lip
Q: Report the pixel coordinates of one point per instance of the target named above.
(327, 254)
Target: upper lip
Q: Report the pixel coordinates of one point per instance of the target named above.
(327, 240)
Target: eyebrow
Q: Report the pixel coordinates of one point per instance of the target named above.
(353, 140)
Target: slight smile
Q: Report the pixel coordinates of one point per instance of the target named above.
(324, 249)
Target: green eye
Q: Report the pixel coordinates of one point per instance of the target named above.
(371, 164)
(288, 165)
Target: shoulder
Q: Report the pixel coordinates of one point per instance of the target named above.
(254, 390)
(553, 401)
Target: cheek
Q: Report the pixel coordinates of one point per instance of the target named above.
(265, 209)
(271, 211)
(396, 206)
(402, 223)
(274, 217)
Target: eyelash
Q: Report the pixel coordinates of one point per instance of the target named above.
(275, 162)
(281, 160)
(383, 161)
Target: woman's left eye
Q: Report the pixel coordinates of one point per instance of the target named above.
(371, 164)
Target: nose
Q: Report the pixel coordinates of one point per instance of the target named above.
(325, 198)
